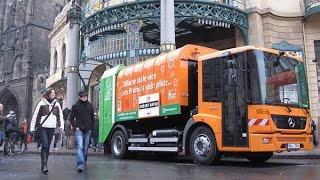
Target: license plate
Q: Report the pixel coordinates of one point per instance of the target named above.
(293, 147)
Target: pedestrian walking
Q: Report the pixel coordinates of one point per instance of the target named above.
(2, 123)
(82, 121)
(69, 133)
(47, 116)
(95, 133)
(24, 130)
(56, 139)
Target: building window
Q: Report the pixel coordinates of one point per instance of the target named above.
(55, 60)
(317, 50)
(63, 56)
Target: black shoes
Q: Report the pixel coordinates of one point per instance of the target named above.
(44, 169)
(44, 160)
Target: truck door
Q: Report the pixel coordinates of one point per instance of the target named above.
(234, 103)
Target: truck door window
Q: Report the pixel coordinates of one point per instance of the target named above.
(211, 80)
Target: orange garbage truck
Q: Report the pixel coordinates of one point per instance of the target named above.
(206, 103)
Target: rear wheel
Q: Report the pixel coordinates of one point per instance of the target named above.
(7, 148)
(203, 147)
(19, 146)
(259, 157)
(119, 148)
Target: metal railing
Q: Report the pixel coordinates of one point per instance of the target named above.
(112, 44)
(241, 4)
(310, 4)
(92, 6)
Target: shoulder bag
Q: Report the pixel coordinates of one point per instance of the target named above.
(37, 134)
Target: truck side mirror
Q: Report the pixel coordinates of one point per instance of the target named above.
(232, 66)
(277, 62)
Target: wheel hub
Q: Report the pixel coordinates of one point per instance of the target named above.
(202, 145)
(117, 145)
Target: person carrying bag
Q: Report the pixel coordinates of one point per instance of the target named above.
(37, 134)
(46, 118)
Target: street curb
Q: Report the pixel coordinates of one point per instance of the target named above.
(311, 156)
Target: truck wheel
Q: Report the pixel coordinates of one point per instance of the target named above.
(119, 148)
(259, 157)
(203, 147)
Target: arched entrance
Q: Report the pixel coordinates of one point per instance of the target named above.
(90, 72)
(94, 85)
(10, 102)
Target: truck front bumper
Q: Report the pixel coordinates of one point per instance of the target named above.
(280, 142)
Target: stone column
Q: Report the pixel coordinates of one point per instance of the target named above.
(240, 39)
(167, 26)
(2, 13)
(28, 109)
(73, 53)
(59, 57)
(256, 35)
(132, 29)
(51, 69)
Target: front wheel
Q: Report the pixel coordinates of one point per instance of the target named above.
(203, 147)
(119, 148)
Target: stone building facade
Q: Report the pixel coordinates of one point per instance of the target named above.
(24, 51)
(58, 47)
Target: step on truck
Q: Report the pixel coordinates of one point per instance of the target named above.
(205, 103)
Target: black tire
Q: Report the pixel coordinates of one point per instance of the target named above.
(119, 147)
(203, 146)
(6, 148)
(259, 157)
(19, 147)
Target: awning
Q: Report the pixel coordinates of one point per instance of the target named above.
(87, 69)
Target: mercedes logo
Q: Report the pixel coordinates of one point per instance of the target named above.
(291, 122)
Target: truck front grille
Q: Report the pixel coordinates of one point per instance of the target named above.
(289, 122)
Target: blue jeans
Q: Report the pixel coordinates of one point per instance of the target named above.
(94, 142)
(1, 137)
(46, 138)
(56, 139)
(82, 140)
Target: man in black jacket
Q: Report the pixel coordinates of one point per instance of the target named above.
(82, 121)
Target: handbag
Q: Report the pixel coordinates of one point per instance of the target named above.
(37, 134)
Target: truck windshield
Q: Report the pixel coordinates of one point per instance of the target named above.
(282, 83)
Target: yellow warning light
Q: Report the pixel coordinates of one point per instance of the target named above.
(263, 111)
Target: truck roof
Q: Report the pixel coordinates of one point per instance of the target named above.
(189, 51)
(242, 49)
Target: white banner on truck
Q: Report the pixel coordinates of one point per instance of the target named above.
(149, 105)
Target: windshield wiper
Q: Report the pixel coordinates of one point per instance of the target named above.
(307, 111)
(289, 110)
(283, 104)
